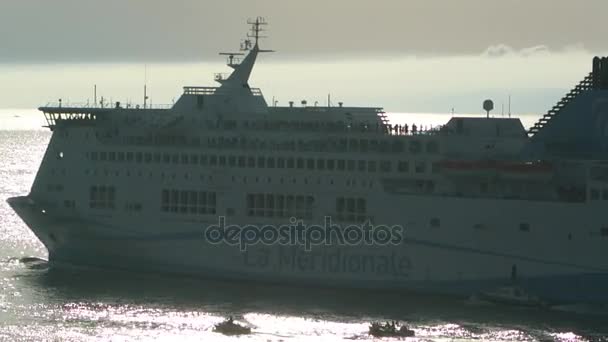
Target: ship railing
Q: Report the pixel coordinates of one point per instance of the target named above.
(117, 105)
(220, 76)
(215, 91)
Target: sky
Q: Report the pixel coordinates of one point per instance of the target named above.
(404, 55)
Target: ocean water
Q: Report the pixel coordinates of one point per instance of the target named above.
(38, 304)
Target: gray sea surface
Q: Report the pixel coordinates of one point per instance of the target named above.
(42, 304)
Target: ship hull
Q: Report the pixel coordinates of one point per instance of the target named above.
(82, 243)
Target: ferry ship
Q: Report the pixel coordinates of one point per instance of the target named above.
(483, 201)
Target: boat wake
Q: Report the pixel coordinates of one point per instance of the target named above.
(33, 263)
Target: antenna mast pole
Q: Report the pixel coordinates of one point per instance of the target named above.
(256, 28)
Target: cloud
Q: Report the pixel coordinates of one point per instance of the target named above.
(503, 50)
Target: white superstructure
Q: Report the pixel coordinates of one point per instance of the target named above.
(482, 201)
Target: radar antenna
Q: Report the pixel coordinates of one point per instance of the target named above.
(256, 27)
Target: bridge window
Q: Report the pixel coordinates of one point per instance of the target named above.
(524, 227)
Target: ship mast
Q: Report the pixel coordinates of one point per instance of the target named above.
(242, 68)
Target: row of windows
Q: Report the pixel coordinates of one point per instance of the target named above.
(594, 194)
(351, 209)
(395, 145)
(279, 205)
(102, 197)
(384, 166)
(188, 202)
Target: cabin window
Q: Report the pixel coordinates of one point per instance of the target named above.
(350, 165)
(420, 167)
(231, 161)
(331, 164)
(524, 227)
(251, 162)
(242, 161)
(605, 194)
(174, 158)
(270, 162)
(310, 164)
(200, 101)
(300, 163)
(594, 194)
(398, 146)
(102, 197)
(321, 164)
(261, 162)
(364, 145)
(102, 156)
(435, 167)
(290, 163)
(403, 166)
(121, 156)
(138, 157)
(361, 165)
(432, 147)
(194, 159)
(111, 156)
(156, 157)
(204, 159)
(435, 223)
(385, 166)
(604, 231)
(415, 146)
(212, 160)
(371, 166)
(351, 209)
(341, 165)
(222, 161)
(281, 163)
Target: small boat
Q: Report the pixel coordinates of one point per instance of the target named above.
(510, 295)
(390, 330)
(229, 327)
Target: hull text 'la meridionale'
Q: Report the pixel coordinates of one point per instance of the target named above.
(222, 185)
